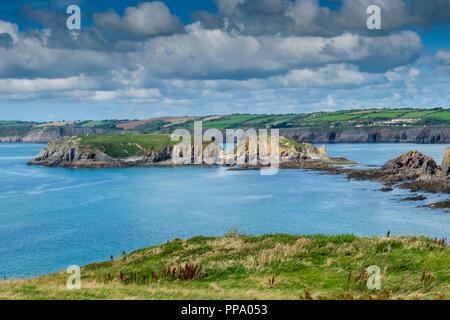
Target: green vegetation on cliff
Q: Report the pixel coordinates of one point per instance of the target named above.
(130, 145)
(123, 146)
(263, 267)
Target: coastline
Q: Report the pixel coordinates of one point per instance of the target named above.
(412, 170)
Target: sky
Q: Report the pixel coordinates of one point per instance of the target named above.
(141, 59)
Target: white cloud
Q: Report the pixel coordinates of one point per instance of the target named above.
(280, 56)
(147, 19)
(45, 85)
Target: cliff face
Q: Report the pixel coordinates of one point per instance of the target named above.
(446, 163)
(70, 152)
(365, 135)
(45, 135)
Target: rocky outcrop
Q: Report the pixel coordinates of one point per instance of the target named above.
(369, 135)
(446, 163)
(70, 152)
(415, 170)
(412, 162)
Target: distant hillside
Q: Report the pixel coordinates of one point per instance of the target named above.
(375, 125)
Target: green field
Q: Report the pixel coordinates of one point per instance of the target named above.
(265, 267)
(343, 119)
(406, 118)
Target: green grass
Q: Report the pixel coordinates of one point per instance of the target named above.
(242, 267)
(123, 146)
(444, 116)
(131, 145)
(386, 114)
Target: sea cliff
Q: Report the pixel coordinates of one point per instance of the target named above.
(427, 135)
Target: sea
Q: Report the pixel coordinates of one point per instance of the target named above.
(52, 218)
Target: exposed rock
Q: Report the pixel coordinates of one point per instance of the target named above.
(412, 160)
(416, 170)
(416, 198)
(364, 135)
(412, 163)
(429, 186)
(439, 205)
(446, 163)
(68, 152)
(289, 151)
(323, 150)
(314, 153)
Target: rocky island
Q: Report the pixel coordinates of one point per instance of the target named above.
(114, 151)
(412, 170)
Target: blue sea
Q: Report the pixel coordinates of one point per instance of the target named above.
(51, 218)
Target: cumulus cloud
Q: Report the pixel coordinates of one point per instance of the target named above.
(308, 17)
(5, 40)
(213, 54)
(42, 85)
(443, 57)
(147, 19)
(441, 62)
(267, 55)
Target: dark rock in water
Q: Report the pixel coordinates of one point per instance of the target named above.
(390, 184)
(429, 186)
(417, 198)
(446, 163)
(386, 189)
(439, 205)
(412, 160)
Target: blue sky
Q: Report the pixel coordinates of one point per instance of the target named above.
(140, 59)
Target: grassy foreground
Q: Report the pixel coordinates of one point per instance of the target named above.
(265, 267)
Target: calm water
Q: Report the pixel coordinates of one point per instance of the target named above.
(51, 218)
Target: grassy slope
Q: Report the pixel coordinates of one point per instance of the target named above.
(240, 267)
(126, 146)
(123, 146)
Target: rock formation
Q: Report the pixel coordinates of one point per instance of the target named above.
(72, 152)
(446, 163)
(412, 162)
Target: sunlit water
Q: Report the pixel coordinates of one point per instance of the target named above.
(51, 218)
